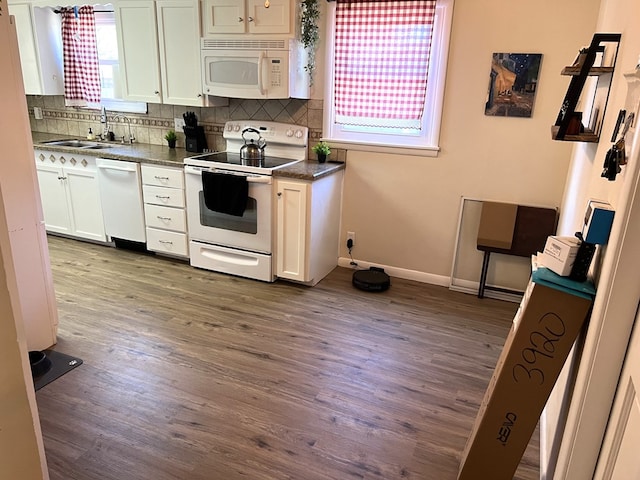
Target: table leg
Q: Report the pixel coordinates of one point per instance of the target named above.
(483, 274)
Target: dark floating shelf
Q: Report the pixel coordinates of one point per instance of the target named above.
(587, 136)
(593, 71)
(579, 73)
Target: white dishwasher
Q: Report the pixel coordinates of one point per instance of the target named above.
(121, 197)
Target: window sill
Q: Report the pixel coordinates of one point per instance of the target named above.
(378, 148)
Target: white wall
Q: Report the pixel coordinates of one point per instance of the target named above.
(619, 284)
(404, 209)
(21, 446)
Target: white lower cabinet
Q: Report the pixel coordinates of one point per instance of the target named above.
(164, 210)
(70, 195)
(307, 227)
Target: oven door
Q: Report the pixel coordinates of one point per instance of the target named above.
(251, 231)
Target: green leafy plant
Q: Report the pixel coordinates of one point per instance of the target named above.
(309, 15)
(170, 136)
(321, 148)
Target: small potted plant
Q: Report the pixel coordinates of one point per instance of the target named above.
(322, 150)
(171, 137)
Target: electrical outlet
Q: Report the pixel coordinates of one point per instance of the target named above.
(351, 236)
(179, 123)
(37, 113)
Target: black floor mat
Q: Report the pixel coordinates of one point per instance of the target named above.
(60, 364)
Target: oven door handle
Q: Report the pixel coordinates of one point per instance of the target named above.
(265, 179)
(259, 179)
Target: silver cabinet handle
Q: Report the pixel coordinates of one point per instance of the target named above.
(163, 218)
(165, 197)
(251, 19)
(240, 19)
(158, 177)
(167, 242)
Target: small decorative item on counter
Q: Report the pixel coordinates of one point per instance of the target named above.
(170, 137)
(322, 150)
(90, 135)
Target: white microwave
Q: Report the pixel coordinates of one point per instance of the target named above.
(254, 68)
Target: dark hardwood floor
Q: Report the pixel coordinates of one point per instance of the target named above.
(194, 375)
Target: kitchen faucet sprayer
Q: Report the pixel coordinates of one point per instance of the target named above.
(128, 120)
(105, 122)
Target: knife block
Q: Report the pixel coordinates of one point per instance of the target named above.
(195, 140)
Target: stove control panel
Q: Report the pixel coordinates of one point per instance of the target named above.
(271, 132)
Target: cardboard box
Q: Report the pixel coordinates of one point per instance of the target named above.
(597, 222)
(548, 321)
(560, 253)
(497, 224)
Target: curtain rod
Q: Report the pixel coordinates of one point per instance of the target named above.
(95, 11)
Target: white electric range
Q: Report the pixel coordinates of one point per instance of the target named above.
(239, 244)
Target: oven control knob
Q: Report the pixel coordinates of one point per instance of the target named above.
(229, 127)
(298, 133)
(289, 133)
(236, 128)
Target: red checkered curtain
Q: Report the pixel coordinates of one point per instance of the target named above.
(80, 57)
(382, 53)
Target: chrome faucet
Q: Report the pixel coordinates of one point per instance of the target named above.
(128, 120)
(104, 121)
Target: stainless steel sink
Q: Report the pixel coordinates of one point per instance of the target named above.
(78, 144)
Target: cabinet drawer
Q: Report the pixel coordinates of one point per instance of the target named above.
(164, 241)
(171, 218)
(169, 197)
(164, 177)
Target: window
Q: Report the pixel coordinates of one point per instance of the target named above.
(107, 42)
(386, 74)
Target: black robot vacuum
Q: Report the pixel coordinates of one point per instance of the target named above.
(372, 280)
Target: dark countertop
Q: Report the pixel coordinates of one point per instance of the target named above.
(172, 157)
(309, 170)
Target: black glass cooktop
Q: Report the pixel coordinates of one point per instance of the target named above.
(234, 159)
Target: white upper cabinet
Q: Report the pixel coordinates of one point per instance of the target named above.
(138, 51)
(40, 46)
(159, 49)
(179, 45)
(247, 16)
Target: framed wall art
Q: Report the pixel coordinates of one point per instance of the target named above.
(513, 82)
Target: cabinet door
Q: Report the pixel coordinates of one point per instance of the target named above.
(84, 203)
(224, 16)
(40, 46)
(138, 50)
(274, 18)
(54, 199)
(292, 200)
(179, 46)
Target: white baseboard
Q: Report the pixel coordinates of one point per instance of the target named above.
(404, 273)
(468, 286)
(458, 285)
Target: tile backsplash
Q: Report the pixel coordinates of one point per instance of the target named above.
(159, 119)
